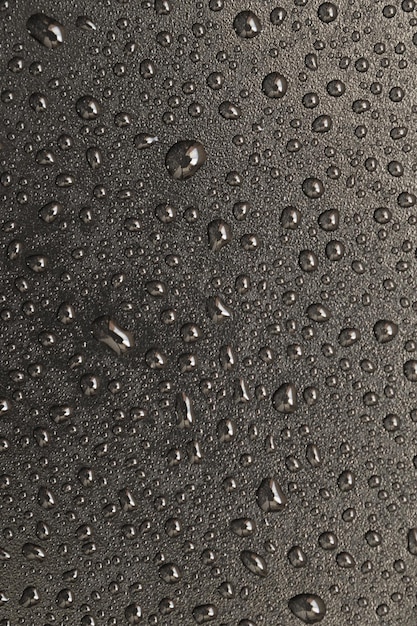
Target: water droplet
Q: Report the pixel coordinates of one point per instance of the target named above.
(412, 541)
(313, 188)
(385, 331)
(243, 527)
(107, 331)
(88, 108)
(219, 234)
(254, 562)
(30, 597)
(46, 30)
(185, 158)
(275, 85)
(309, 608)
(205, 613)
(247, 25)
(270, 496)
(284, 399)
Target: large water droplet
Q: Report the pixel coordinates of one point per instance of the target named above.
(309, 608)
(385, 331)
(46, 30)
(270, 496)
(247, 24)
(219, 234)
(185, 158)
(284, 399)
(243, 527)
(88, 108)
(275, 85)
(254, 562)
(109, 332)
(205, 613)
(29, 597)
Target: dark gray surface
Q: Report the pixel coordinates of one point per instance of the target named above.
(208, 315)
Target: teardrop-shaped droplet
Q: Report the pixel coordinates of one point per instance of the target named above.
(38, 263)
(4, 555)
(170, 573)
(270, 497)
(322, 124)
(313, 188)
(319, 313)
(14, 250)
(133, 613)
(107, 331)
(345, 560)
(60, 413)
(85, 23)
(66, 313)
(5, 406)
(229, 111)
(94, 158)
(410, 370)
(49, 212)
(205, 613)
(217, 310)
(46, 498)
(297, 557)
(162, 7)
(145, 140)
(33, 552)
(3, 601)
(88, 108)
(38, 102)
(29, 597)
(64, 598)
(284, 399)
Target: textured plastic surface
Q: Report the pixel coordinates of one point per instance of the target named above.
(208, 353)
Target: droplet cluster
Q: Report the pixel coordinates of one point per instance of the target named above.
(208, 313)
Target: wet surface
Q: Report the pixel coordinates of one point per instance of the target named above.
(208, 359)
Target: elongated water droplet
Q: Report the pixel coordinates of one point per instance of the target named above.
(46, 30)
(254, 562)
(309, 608)
(107, 331)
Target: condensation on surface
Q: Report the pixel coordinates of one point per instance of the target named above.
(208, 356)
